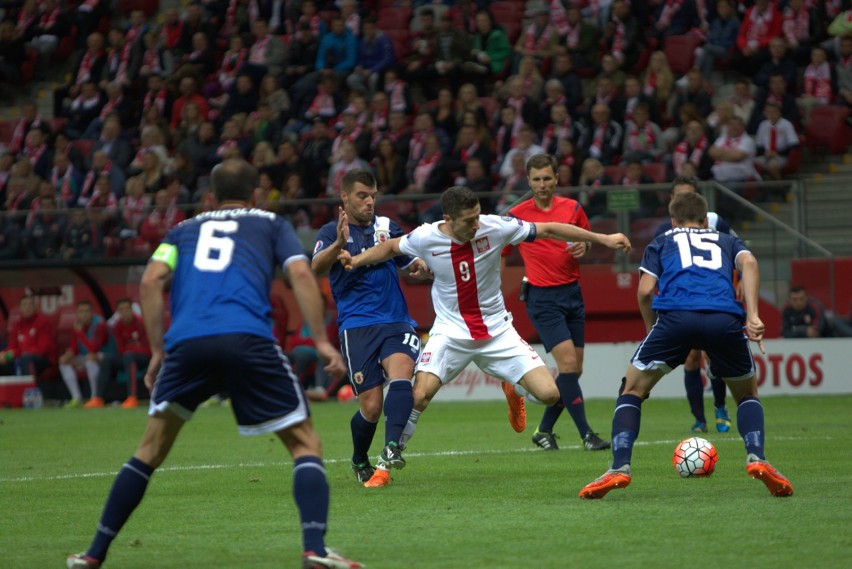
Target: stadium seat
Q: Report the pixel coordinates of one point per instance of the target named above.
(680, 52)
(615, 172)
(28, 67)
(84, 146)
(507, 12)
(57, 124)
(395, 19)
(7, 128)
(828, 128)
(512, 30)
(401, 40)
(794, 161)
(656, 172)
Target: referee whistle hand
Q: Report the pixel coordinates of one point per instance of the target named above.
(578, 249)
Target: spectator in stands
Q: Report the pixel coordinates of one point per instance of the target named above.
(376, 56)
(444, 114)
(132, 355)
(22, 187)
(43, 237)
(12, 53)
(693, 149)
(452, 47)
(188, 93)
(601, 137)
(803, 316)
(572, 87)
(525, 147)
(266, 54)
(83, 111)
(722, 38)
(476, 176)
(88, 14)
(30, 119)
(428, 174)
(89, 337)
(761, 23)
(734, 154)
(840, 27)
(338, 49)
(490, 50)
(110, 142)
(390, 168)
(288, 159)
(798, 31)
(242, 98)
(45, 192)
(52, 24)
(65, 179)
(592, 177)
(82, 239)
(580, 41)
(190, 121)
(742, 102)
(658, 81)
(779, 62)
(695, 93)
(643, 139)
(31, 340)
(201, 148)
(38, 152)
(197, 63)
(302, 55)
(422, 47)
(101, 166)
(399, 133)
(62, 145)
(193, 23)
(160, 220)
(818, 89)
(843, 70)
(102, 208)
(776, 136)
(314, 155)
(171, 30)
(157, 96)
(674, 18)
(538, 38)
(133, 207)
(623, 36)
(122, 61)
(779, 94)
(398, 92)
(349, 160)
(842, 326)
(379, 117)
(469, 145)
(156, 59)
(10, 242)
(633, 96)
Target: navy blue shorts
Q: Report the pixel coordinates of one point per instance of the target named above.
(558, 314)
(265, 393)
(365, 347)
(719, 334)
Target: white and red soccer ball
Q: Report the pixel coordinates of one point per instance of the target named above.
(694, 457)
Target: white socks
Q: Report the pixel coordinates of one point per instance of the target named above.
(409, 429)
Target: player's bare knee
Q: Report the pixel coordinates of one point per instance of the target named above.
(371, 410)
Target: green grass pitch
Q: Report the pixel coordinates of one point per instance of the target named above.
(474, 494)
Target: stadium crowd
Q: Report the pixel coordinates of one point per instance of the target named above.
(426, 94)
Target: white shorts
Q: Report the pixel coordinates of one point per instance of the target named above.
(505, 356)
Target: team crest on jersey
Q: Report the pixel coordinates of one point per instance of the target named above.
(381, 236)
(358, 377)
(426, 358)
(317, 247)
(482, 245)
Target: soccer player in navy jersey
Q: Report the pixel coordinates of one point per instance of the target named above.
(692, 365)
(696, 308)
(554, 300)
(220, 266)
(377, 335)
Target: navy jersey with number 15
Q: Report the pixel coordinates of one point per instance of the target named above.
(223, 263)
(693, 268)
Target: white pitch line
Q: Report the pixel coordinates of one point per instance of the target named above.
(202, 467)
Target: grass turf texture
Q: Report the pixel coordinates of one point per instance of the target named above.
(474, 493)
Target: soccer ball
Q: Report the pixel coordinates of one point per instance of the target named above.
(694, 457)
(345, 394)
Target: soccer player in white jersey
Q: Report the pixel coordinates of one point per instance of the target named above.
(471, 320)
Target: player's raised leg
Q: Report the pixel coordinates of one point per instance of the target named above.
(129, 486)
(750, 423)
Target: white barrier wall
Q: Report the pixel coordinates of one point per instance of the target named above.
(789, 367)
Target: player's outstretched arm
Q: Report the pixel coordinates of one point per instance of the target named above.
(567, 232)
(323, 260)
(747, 265)
(645, 295)
(378, 254)
(155, 281)
(310, 303)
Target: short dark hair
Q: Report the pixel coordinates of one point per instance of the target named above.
(360, 176)
(234, 179)
(84, 303)
(688, 207)
(685, 181)
(797, 288)
(123, 300)
(539, 161)
(457, 198)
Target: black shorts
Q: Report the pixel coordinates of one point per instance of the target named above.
(558, 314)
(265, 393)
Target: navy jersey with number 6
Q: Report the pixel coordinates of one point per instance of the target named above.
(693, 268)
(222, 272)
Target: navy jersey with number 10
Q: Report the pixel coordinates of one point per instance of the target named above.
(693, 268)
(223, 272)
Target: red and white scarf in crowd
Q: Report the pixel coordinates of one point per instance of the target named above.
(558, 17)
(89, 183)
(670, 9)
(818, 81)
(469, 152)
(537, 38)
(505, 135)
(682, 154)
(322, 106)
(89, 5)
(620, 39)
(596, 148)
(84, 73)
(231, 63)
(172, 34)
(110, 106)
(760, 23)
(415, 145)
(796, 24)
(340, 138)
(225, 146)
(257, 54)
(572, 35)
(640, 138)
(133, 210)
(151, 60)
(34, 153)
(62, 183)
(516, 103)
(158, 99)
(124, 62)
(48, 20)
(554, 134)
(105, 200)
(25, 20)
(424, 168)
(21, 129)
(730, 142)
